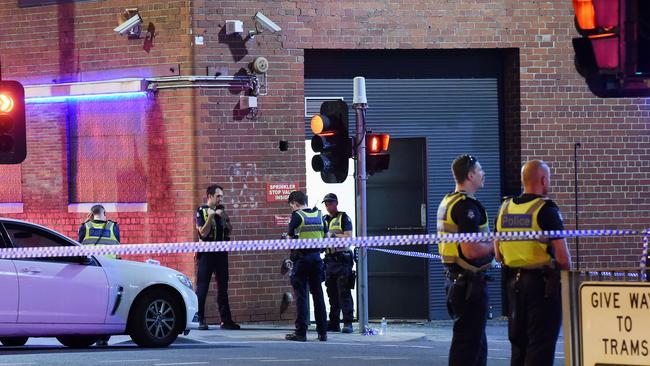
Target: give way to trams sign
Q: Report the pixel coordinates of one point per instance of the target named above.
(615, 323)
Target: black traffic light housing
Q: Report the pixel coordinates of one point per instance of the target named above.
(13, 141)
(331, 139)
(613, 53)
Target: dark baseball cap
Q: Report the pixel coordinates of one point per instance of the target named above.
(330, 197)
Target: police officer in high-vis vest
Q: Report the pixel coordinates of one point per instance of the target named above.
(307, 270)
(213, 224)
(532, 269)
(339, 277)
(466, 263)
(97, 230)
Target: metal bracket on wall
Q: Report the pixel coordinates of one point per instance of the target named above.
(247, 82)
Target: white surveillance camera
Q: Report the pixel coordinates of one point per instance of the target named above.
(129, 25)
(267, 23)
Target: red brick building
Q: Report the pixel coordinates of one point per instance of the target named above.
(158, 153)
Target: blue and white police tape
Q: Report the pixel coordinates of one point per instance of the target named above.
(284, 244)
(417, 254)
(644, 257)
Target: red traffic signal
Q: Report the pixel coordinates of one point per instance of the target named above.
(596, 16)
(377, 156)
(377, 143)
(13, 142)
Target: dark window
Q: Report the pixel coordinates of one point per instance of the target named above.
(25, 236)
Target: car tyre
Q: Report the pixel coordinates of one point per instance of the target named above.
(13, 341)
(77, 341)
(156, 319)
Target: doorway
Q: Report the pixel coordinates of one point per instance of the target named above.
(398, 285)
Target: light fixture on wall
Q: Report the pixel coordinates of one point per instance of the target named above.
(266, 24)
(105, 89)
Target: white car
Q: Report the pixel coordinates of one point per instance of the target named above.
(79, 299)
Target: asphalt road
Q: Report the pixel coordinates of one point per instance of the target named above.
(263, 347)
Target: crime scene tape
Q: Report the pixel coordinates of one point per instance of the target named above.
(407, 254)
(644, 256)
(284, 244)
(417, 255)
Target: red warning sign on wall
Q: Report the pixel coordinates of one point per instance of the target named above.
(276, 192)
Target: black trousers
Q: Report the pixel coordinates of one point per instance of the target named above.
(338, 274)
(534, 317)
(217, 264)
(467, 301)
(306, 276)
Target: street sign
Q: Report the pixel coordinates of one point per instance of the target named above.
(615, 323)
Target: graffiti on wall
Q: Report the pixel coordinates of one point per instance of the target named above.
(241, 179)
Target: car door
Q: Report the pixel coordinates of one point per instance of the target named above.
(63, 290)
(8, 288)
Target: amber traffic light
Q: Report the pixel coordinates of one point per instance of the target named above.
(13, 144)
(331, 141)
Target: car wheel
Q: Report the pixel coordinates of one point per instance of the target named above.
(156, 319)
(13, 341)
(75, 341)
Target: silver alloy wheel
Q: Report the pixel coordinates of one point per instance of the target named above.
(160, 319)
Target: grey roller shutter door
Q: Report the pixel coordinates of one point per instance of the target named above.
(456, 115)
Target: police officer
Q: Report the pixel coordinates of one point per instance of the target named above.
(466, 263)
(213, 224)
(339, 278)
(307, 270)
(98, 230)
(532, 269)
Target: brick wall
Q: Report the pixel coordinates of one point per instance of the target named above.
(198, 137)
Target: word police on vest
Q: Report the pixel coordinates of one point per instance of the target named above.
(516, 220)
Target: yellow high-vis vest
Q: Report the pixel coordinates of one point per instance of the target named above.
(449, 251)
(522, 217)
(312, 226)
(100, 234)
(204, 211)
(336, 227)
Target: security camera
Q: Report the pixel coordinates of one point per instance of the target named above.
(130, 25)
(265, 22)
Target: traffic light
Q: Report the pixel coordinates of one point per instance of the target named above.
(612, 53)
(332, 141)
(13, 142)
(598, 23)
(377, 156)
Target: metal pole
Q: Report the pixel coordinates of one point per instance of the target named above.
(360, 105)
(575, 184)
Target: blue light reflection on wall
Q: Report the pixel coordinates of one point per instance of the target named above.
(71, 98)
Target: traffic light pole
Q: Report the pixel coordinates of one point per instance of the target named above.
(360, 105)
